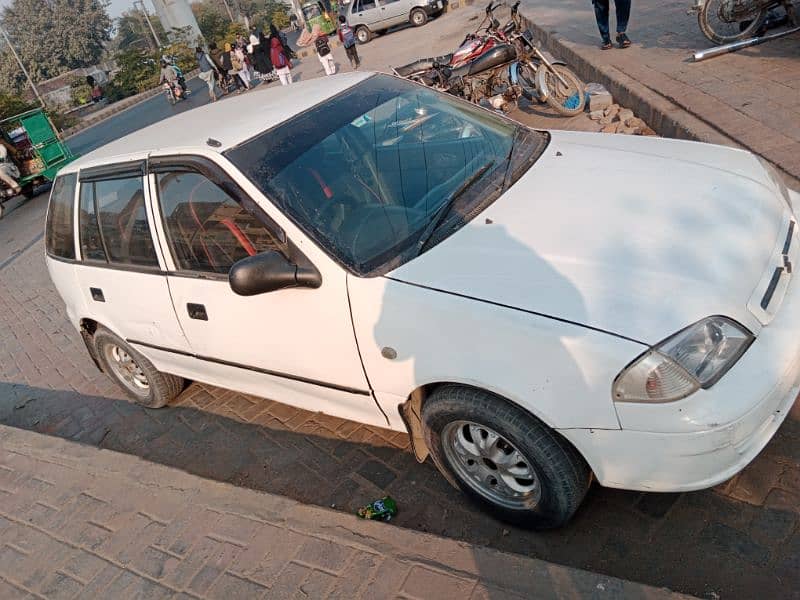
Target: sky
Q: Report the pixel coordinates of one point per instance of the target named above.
(115, 9)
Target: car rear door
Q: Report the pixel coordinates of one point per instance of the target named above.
(120, 270)
(366, 12)
(293, 345)
(394, 12)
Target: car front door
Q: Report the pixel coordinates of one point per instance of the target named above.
(120, 267)
(294, 345)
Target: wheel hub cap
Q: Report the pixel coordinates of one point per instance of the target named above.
(127, 370)
(491, 465)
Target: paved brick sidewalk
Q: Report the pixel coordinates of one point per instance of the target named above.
(76, 521)
(750, 98)
(741, 540)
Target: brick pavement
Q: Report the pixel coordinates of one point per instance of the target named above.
(739, 540)
(78, 522)
(750, 98)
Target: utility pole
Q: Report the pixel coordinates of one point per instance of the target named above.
(21, 66)
(147, 18)
(228, 8)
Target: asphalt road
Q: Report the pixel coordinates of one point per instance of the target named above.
(141, 115)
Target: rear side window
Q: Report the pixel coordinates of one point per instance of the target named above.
(113, 223)
(60, 232)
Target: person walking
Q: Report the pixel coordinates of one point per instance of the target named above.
(222, 75)
(348, 39)
(227, 58)
(275, 33)
(601, 12)
(324, 52)
(281, 62)
(207, 71)
(258, 53)
(239, 62)
(9, 172)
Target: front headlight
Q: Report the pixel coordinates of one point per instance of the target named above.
(776, 178)
(693, 358)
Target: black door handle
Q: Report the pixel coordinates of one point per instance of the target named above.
(97, 294)
(197, 311)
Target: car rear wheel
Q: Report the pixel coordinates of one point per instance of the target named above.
(418, 17)
(363, 35)
(133, 373)
(503, 458)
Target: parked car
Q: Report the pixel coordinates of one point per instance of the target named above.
(368, 17)
(534, 308)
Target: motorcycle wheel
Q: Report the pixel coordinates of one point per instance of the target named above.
(567, 100)
(526, 76)
(724, 31)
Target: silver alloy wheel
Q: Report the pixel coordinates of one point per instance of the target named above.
(126, 370)
(418, 18)
(362, 33)
(491, 465)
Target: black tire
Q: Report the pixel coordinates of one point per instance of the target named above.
(28, 190)
(161, 387)
(418, 17)
(722, 32)
(363, 34)
(562, 476)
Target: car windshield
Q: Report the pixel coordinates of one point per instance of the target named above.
(374, 175)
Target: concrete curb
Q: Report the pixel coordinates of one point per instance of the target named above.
(663, 115)
(116, 108)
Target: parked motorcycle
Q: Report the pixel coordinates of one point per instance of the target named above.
(497, 65)
(726, 21)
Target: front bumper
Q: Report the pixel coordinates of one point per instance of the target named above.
(721, 429)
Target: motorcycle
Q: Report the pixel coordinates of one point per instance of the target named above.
(497, 65)
(726, 21)
(173, 92)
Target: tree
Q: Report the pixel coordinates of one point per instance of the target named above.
(134, 32)
(53, 36)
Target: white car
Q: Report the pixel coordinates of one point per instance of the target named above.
(534, 308)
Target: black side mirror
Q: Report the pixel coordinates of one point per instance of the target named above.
(268, 272)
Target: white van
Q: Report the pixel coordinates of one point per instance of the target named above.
(534, 308)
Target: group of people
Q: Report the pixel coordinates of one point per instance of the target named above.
(237, 64)
(348, 40)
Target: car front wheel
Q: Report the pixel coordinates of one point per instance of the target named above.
(503, 458)
(418, 17)
(135, 374)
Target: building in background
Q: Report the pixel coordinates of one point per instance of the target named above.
(177, 14)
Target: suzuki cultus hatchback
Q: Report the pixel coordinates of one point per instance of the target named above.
(534, 308)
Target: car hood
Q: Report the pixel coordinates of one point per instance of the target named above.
(639, 237)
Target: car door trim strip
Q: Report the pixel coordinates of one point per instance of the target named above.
(227, 363)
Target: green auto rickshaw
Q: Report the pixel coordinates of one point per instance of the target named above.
(40, 153)
(322, 13)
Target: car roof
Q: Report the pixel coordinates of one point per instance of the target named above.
(229, 122)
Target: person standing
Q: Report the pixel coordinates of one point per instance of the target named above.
(348, 39)
(281, 62)
(258, 53)
(601, 12)
(239, 61)
(207, 71)
(227, 58)
(324, 52)
(275, 33)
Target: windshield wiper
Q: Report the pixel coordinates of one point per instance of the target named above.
(444, 209)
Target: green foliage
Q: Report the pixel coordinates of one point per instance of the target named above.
(81, 91)
(216, 25)
(138, 71)
(134, 32)
(12, 104)
(53, 37)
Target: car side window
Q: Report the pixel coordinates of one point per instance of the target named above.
(208, 230)
(367, 4)
(114, 224)
(60, 232)
(384, 2)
